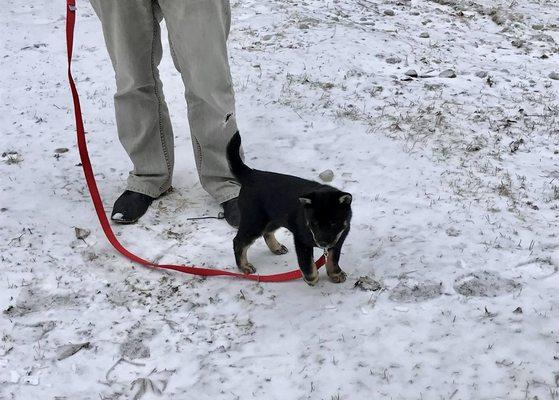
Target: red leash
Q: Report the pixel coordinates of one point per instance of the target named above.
(98, 203)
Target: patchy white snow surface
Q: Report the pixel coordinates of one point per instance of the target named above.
(455, 229)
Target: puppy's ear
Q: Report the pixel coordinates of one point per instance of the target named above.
(305, 200)
(345, 198)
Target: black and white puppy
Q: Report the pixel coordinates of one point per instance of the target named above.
(317, 215)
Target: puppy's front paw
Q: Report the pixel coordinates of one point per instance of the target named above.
(311, 280)
(338, 277)
(280, 250)
(247, 269)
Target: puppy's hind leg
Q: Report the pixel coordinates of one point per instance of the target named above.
(273, 244)
(250, 228)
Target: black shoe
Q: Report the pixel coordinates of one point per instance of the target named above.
(130, 206)
(231, 212)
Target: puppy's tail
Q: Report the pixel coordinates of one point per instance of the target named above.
(239, 169)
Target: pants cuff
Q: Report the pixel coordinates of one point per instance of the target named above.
(144, 190)
(229, 196)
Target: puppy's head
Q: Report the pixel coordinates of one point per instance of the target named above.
(327, 214)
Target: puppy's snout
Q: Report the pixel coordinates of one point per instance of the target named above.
(326, 241)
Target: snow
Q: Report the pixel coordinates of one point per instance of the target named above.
(454, 238)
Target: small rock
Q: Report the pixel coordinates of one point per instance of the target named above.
(81, 233)
(267, 37)
(303, 26)
(389, 12)
(61, 150)
(448, 73)
(538, 27)
(481, 74)
(412, 73)
(393, 60)
(367, 284)
(554, 75)
(517, 43)
(424, 35)
(518, 310)
(326, 175)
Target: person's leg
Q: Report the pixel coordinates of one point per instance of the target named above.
(132, 35)
(198, 31)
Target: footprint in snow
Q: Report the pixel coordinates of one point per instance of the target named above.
(411, 291)
(484, 284)
(32, 299)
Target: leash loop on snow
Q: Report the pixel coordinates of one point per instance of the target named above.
(98, 203)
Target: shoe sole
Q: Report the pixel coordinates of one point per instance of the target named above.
(124, 221)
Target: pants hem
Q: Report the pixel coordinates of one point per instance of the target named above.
(148, 192)
(227, 197)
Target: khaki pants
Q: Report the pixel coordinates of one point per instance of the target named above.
(198, 31)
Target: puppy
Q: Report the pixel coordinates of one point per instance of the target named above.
(317, 215)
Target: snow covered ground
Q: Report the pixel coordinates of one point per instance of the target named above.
(455, 229)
